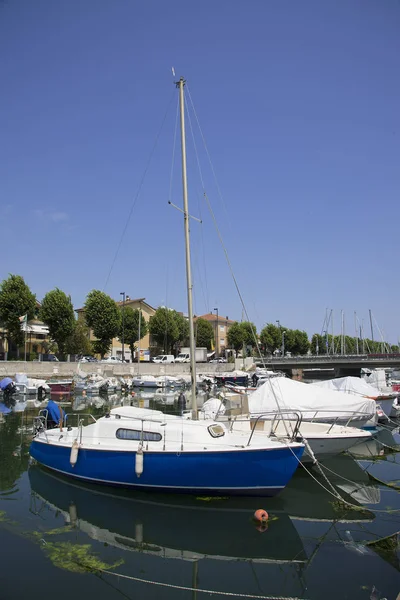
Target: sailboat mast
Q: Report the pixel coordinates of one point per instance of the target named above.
(180, 84)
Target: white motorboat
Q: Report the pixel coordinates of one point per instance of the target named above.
(315, 404)
(91, 384)
(30, 386)
(324, 439)
(146, 381)
(359, 387)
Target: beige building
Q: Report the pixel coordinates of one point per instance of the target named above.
(221, 327)
(116, 345)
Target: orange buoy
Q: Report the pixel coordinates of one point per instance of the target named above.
(133, 394)
(261, 515)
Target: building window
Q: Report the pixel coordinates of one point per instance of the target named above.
(222, 341)
(137, 435)
(222, 327)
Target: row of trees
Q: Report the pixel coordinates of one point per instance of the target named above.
(168, 328)
(345, 344)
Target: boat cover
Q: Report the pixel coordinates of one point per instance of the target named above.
(213, 407)
(350, 385)
(5, 382)
(54, 411)
(298, 396)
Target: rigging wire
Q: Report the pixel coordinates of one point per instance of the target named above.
(173, 149)
(136, 197)
(205, 294)
(208, 155)
(214, 218)
(253, 332)
(203, 189)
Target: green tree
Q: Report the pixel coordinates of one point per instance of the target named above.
(235, 337)
(204, 333)
(164, 327)
(130, 320)
(299, 342)
(318, 344)
(183, 328)
(16, 300)
(78, 342)
(58, 314)
(270, 338)
(249, 333)
(103, 317)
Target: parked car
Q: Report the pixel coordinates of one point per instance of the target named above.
(87, 359)
(112, 359)
(218, 360)
(48, 358)
(164, 358)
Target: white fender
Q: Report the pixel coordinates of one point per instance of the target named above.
(139, 461)
(74, 453)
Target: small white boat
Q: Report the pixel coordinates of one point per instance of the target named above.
(168, 381)
(91, 384)
(146, 381)
(315, 403)
(30, 386)
(360, 388)
(324, 439)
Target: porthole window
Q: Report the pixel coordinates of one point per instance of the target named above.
(136, 434)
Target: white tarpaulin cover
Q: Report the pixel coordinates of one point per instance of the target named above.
(350, 385)
(295, 395)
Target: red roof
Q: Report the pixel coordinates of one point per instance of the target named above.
(213, 317)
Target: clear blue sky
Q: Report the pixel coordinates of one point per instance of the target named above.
(299, 104)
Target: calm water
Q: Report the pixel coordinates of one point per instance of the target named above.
(52, 529)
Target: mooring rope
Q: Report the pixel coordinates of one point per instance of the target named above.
(199, 590)
(338, 496)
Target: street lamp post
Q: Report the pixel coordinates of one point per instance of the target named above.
(123, 324)
(283, 343)
(216, 338)
(279, 326)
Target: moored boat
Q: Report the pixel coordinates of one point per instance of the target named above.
(323, 440)
(159, 452)
(60, 386)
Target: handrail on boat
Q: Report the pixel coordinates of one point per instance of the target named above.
(40, 421)
(276, 418)
(352, 415)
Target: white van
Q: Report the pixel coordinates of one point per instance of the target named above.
(183, 357)
(164, 358)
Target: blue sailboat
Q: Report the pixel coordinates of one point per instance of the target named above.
(141, 449)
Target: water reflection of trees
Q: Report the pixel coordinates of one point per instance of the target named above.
(14, 451)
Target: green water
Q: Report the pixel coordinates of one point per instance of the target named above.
(59, 537)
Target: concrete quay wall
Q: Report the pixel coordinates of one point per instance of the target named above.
(47, 370)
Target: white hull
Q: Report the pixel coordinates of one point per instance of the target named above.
(326, 447)
(386, 405)
(324, 439)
